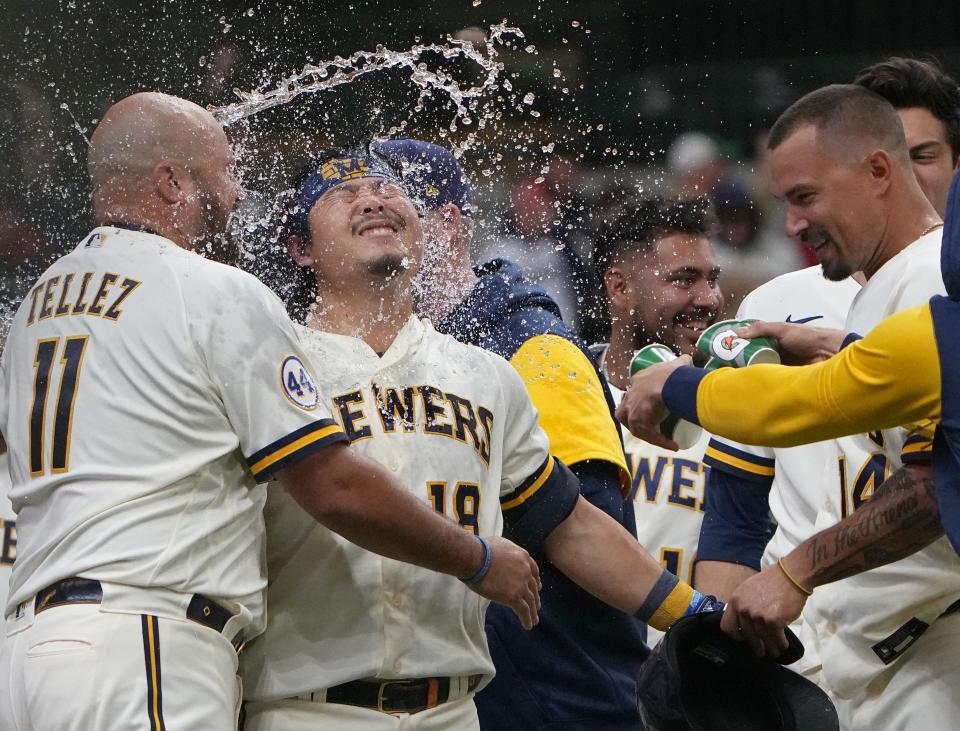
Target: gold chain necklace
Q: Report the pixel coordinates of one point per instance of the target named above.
(930, 229)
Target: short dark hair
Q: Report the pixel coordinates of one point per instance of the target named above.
(636, 226)
(911, 82)
(268, 257)
(845, 111)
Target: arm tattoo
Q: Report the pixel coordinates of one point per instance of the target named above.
(901, 518)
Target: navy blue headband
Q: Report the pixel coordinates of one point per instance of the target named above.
(331, 173)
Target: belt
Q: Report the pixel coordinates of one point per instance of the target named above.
(76, 590)
(396, 696)
(893, 646)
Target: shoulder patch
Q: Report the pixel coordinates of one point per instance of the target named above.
(297, 384)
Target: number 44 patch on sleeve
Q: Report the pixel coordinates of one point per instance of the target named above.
(297, 384)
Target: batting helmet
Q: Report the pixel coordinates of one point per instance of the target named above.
(699, 679)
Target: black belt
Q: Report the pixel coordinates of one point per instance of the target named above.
(396, 696)
(77, 590)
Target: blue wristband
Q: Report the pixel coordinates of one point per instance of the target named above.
(484, 567)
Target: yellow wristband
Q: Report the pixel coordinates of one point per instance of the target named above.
(797, 585)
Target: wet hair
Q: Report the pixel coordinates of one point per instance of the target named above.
(910, 82)
(843, 113)
(636, 226)
(295, 285)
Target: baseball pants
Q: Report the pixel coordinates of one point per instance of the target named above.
(919, 693)
(79, 667)
(297, 715)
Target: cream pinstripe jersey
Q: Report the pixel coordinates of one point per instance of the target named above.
(455, 425)
(144, 389)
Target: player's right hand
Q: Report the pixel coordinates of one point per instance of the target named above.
(642, 410)
(513, 580)
(799, 344)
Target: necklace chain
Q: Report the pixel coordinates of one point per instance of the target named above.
(930, 229)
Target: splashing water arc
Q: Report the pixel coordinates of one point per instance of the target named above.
(327, 75)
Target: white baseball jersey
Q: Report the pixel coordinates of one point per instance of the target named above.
(806, 478)
(8, 533)
(850, 616)
(145, 389)
(456, 427)
(802, 476)
(667, 493)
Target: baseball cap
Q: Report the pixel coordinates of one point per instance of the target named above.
(431, 173)
(330, 169)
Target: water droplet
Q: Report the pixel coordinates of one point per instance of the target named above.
(528, 98)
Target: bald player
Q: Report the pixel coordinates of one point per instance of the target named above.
(403, 648)
(145, 392)
(839, 158)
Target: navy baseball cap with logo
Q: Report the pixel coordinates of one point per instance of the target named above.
(330, 168)
(431, 173)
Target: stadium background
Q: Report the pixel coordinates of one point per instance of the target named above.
(615, 84)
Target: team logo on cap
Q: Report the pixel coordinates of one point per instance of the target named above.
(297, 384)
(347, 168)
(727, 346)
(431, 190)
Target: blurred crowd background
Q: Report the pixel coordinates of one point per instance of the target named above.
(653, 95)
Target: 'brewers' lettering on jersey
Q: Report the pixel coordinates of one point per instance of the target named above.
(433, 411)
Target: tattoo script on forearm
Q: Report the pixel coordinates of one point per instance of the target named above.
(900, 519)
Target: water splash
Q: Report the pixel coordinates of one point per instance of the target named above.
(315, 78)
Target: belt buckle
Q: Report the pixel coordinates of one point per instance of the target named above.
(381, 700)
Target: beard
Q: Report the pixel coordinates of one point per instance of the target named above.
(836, 271)
(388, 266)
(666, 334)
(834, 267)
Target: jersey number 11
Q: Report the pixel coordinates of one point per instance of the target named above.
(71, 362)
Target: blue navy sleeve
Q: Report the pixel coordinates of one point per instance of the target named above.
(736, 520)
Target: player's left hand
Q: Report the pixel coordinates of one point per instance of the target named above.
(759, 610)
(642, 409)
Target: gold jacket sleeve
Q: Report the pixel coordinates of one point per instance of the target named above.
(889, 378)
(567, 392)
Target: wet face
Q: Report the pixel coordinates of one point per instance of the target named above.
(671, 293)
(930, 154)
(218, 188)
(832, 205)
(367, 225)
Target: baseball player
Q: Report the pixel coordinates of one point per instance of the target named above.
(864, 627)
(732, 541)
(8, 532)
(660, 280)
(928, 103)
(580, 664)
(748, 485)
(145, 390)
(404, 648)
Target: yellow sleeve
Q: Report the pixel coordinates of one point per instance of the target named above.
(889, 378)
(565, 388)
